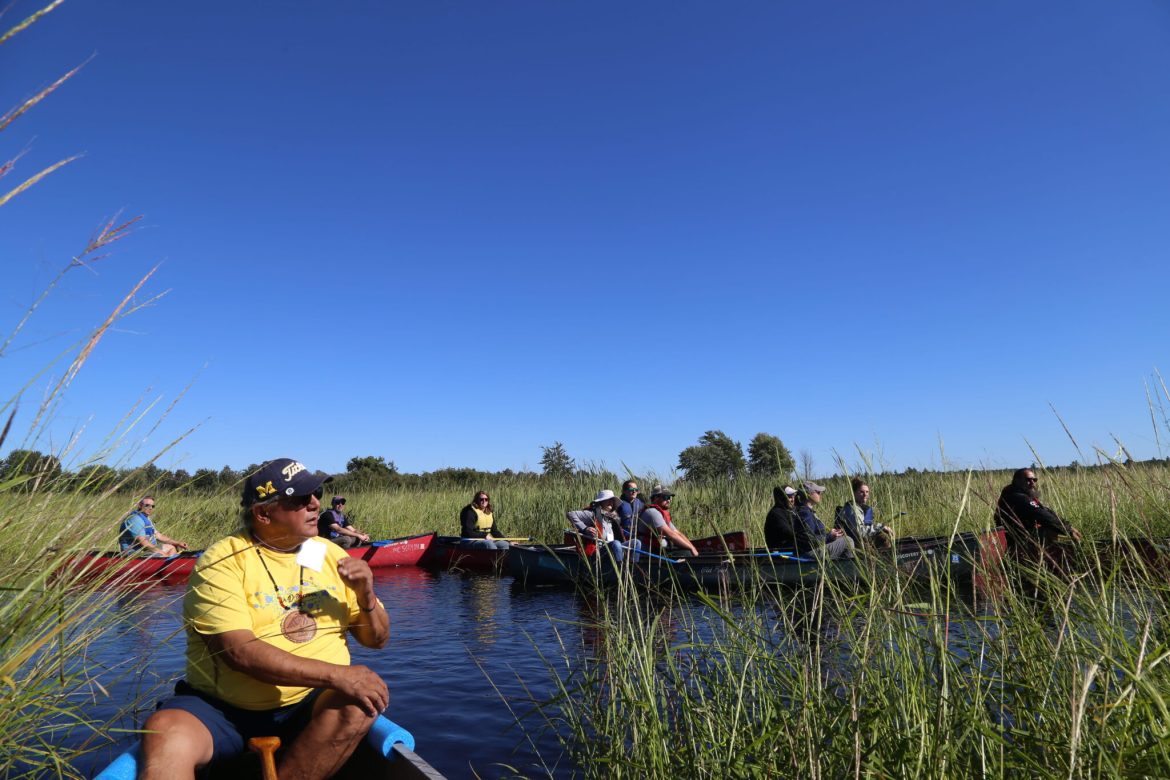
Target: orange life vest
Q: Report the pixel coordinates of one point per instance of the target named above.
(651, 539)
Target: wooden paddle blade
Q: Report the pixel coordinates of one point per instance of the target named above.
(266, 747)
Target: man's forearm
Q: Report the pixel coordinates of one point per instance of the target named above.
(373, 628)
(677, 537)
(145, 543)
(244, 653)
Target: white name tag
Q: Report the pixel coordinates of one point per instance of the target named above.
(312, 555)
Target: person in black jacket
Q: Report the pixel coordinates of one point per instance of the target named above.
(1029, 525)
(833, 543)
(477, 525)
(783, 528)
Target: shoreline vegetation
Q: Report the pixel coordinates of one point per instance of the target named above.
(1105, 502)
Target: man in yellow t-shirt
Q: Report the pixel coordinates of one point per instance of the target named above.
(266, 641)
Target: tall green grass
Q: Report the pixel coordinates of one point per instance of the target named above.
(49, 614)
(1113, 500)
(893, 681)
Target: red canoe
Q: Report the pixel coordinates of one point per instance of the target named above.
(120, 569)
(407, 551)
(445, 553)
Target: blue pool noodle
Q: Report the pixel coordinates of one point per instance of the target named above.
(383, 736)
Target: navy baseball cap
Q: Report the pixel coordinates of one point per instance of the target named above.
(281, 477)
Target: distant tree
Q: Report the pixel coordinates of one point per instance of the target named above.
(768, 457)
(95, 478)
(716, 456)
(204, 479)
(556, 462)
(806, 464)
(29, 468)
(228, 477)
(369, 472)
(145, 478)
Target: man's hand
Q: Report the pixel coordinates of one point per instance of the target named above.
(836, 533)
(363, 685)
(356, 573)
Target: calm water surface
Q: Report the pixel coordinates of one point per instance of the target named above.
(462, 666)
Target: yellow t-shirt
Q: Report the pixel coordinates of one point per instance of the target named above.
(230, 590)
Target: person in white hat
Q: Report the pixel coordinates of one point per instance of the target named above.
(596, 522)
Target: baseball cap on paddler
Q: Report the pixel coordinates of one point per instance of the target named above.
(281, 477)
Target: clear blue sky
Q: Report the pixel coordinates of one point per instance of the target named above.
(448, 233)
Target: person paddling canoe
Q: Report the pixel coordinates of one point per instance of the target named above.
(855, 518)
(266, 612)
(834, 543)
(138, 533)
(477, 525)
(1029, 525)
(656, 528)
(335, 526)
(783, 528)
(597, 523)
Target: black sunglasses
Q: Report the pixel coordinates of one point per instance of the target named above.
(300, 502)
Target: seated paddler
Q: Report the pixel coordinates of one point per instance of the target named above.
(138, 534)
(477, 525)
(596, 524)
(267, 613)
(656, 529)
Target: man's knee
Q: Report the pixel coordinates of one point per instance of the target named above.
(177, 739)
(351, 716)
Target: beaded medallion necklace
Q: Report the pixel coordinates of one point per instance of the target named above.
(297, 625)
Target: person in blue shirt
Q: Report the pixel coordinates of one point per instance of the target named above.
(833, 543)
(335, 526)
(138, 533)
(629, 510)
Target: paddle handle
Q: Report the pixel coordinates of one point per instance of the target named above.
(266, 747)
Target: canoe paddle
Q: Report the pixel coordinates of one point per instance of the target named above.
(636, 551)
(778, 554)
(266, 747)
(640, 553)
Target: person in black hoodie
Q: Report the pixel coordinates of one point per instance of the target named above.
(783, 528)
(1029, 525)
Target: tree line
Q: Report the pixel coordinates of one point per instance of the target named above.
(716, 456)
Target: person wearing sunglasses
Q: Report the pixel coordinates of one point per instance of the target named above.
(266, 614)
(335, 526)
(139, 535)
(833, 543)
(1029, 525)
(629, 510)
(477, 525)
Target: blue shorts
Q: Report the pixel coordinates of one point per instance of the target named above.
(232, 727)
